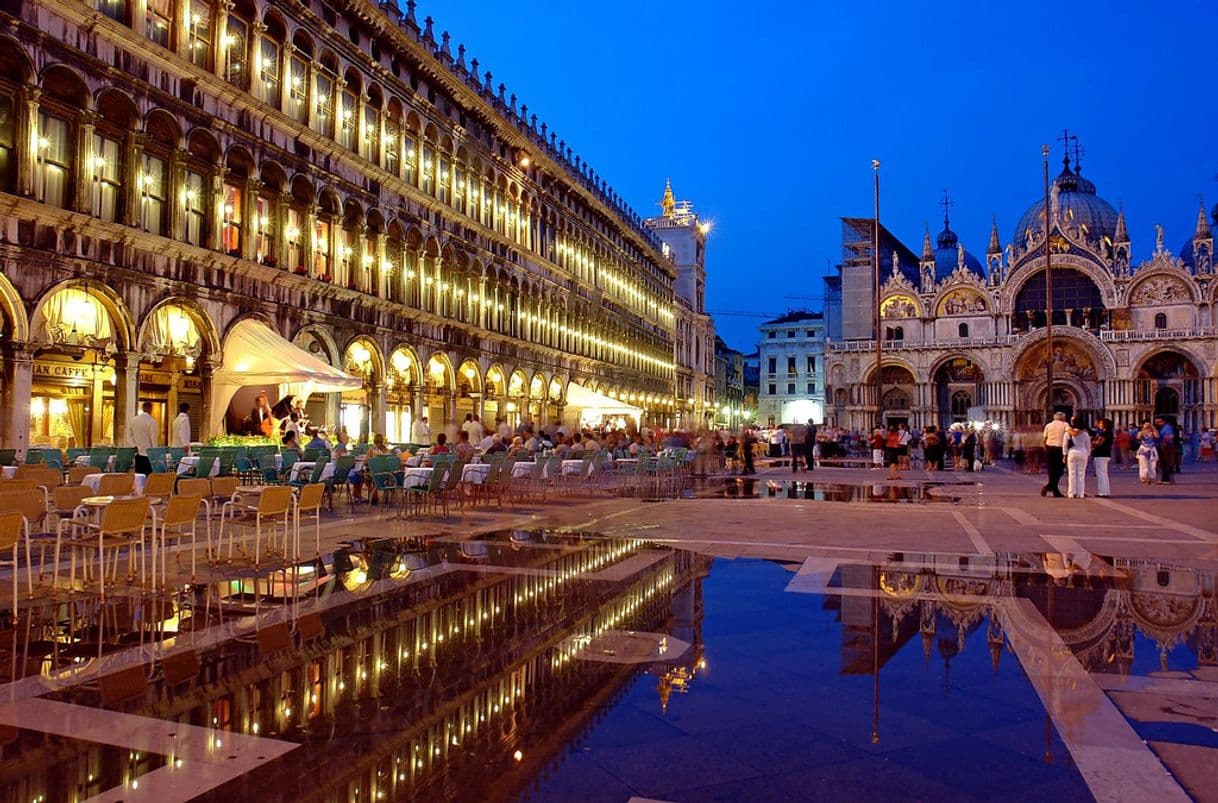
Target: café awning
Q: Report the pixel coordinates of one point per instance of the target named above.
(257, 356)
(579, 397)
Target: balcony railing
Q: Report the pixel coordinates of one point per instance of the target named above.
(1113, 336)
(936, 343)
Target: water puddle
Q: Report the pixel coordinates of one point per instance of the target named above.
(560, 665)
(758, 488)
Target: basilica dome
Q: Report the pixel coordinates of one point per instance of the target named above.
(1080, 207)
(947, 255)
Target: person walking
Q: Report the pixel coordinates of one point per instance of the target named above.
(143, 437)
(810, 445)
(1148, 453)
(420, 432)
(969, 449)
(747, 445)
(1101, 454)
(1168, 444)
(179, 430)
(1077, 445)
(892, 452)
(1053, 438)
(932, 448)
(798, 441)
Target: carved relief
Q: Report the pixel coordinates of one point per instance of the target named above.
(1161, 290)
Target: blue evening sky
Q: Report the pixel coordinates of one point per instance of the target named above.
(767, 114)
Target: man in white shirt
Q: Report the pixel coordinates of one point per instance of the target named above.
(472, 427)
(420, 432)
(143, 437)
(503, 430)
(1055, 432)
(179, 431)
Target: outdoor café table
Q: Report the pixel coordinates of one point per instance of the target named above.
(475, 473)
(94, 481)
(415, 476)
(628, 461)
(10, 472)
(192, 461)
(304, 467)
(524, 469)
(573, 466)
(85, 460)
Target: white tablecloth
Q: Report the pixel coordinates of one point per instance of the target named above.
(475, 473)
(416, 475)
(10, 472)
(192, 460)
(574, 467)
(84, 460)
(93, 481)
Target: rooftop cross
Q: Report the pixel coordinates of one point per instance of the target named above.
(1072, 147)
(947, 203)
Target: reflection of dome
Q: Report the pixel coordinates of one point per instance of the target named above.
(947, 255)
(1079, 206)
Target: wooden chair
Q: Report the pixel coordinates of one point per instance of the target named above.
(116, 485)
(77, 474)
(160, 486)
(13, 527)
(308, 503)
(273, 509)
(32, 505)
(121, 524)
(179, 520)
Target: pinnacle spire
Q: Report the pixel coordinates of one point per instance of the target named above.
(1202, 231)
(928, 250)
(669, 202)
(995, 241)
(1122, 233)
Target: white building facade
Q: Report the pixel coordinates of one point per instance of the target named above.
(791, 355)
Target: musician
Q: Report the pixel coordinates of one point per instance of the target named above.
(262, 421)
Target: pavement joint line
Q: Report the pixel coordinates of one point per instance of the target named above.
(973, 533)
(1166, 523)
(1114, 762)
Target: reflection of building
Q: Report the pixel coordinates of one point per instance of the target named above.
(684, 238)
(729, 384)
(964, 334)
(791, 355)
(407, 679)
(338, 173)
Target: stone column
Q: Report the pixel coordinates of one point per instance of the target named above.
(284, 101)
(307, 235)
(310, 99)
(376, 407)
(249, 218)
(379, 280)
(84, 172)
(18, 388)
(27, 142)
(220, 62)
(215, 217)
(126, 393)
(207, 367)
(177, 182)
(133, 160)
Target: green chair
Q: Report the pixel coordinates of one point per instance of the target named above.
(33, 457)
(342, 469)
(431, 493)
(386, 476)
(124, 459)
(313, 478)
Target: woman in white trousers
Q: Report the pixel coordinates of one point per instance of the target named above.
(1076, 443)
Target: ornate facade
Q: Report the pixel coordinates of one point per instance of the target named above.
(965, 338)
(169, 167)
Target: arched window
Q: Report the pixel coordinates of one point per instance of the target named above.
(236, 45)
(114, 9)
(161, 139)
(962, 329)
(961, 401)
(1161, 320)
(370, 139)
(299, 79)
(323, 99)
(8, 138)
(894, 333)
(55, 147)
(348, 110)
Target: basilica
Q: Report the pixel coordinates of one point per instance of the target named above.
(965, 338)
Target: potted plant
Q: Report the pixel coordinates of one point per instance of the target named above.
(325, 277)
(270, 261)
(300, 270)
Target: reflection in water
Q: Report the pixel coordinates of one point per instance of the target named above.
(451, 670)
(753, 488)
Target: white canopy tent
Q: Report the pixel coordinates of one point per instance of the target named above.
(584, 402)
(254, 354)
